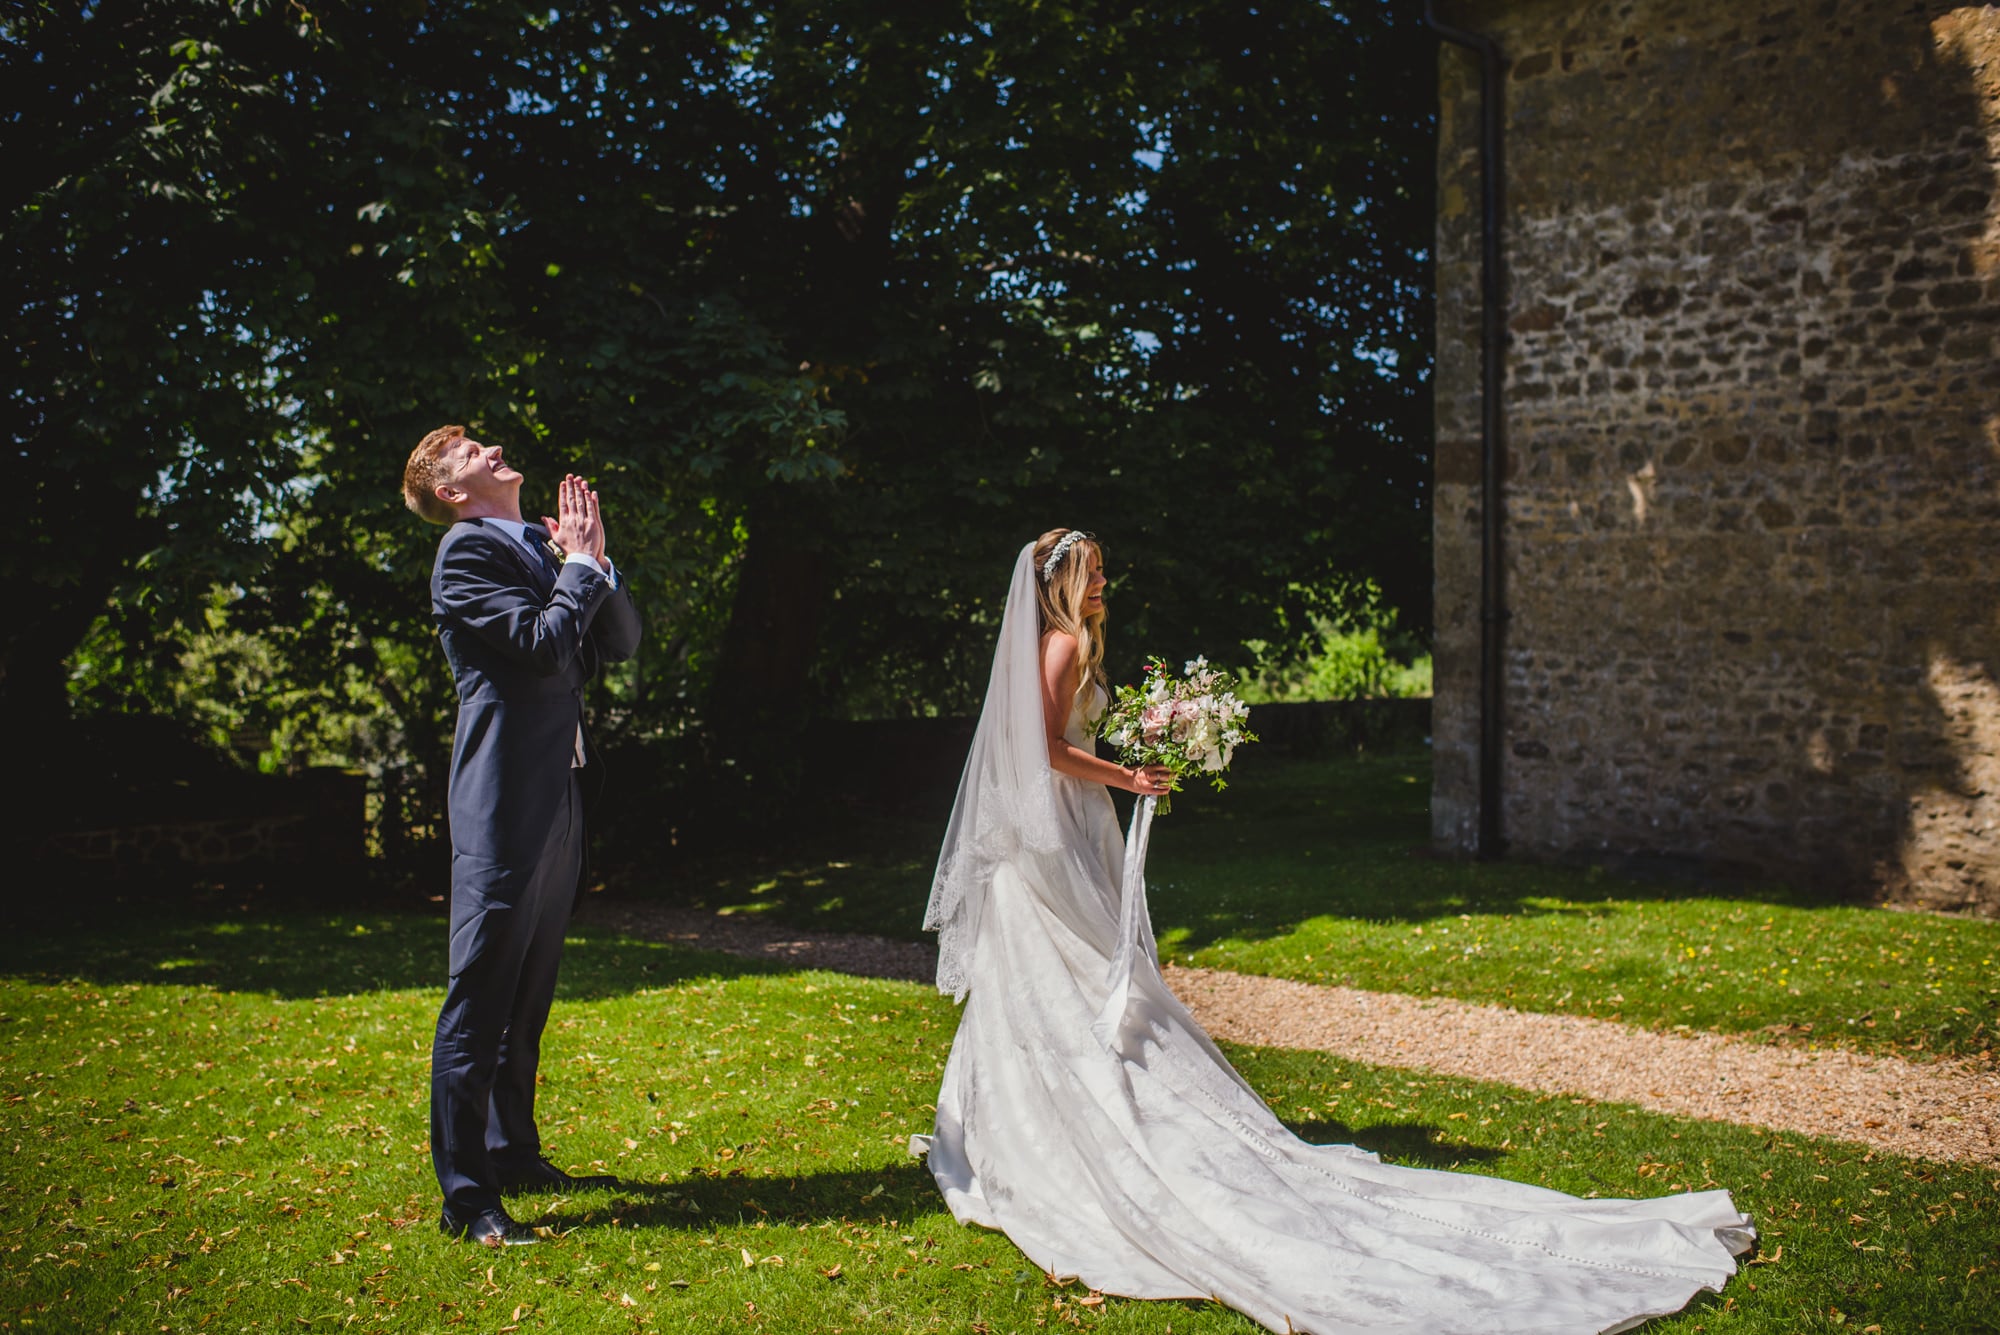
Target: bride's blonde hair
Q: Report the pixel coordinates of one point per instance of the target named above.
(1059, 596)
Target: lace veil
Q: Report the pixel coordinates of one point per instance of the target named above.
(1006, 801)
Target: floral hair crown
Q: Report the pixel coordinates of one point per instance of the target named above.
(1063, 544)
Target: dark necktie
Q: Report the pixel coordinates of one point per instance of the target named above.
(538, 538)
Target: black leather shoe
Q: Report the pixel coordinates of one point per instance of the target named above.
(488, 1228)
(538, 1174)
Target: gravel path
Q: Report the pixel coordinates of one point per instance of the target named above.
(1934, 1110)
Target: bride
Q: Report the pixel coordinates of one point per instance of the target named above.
(1086, 1115)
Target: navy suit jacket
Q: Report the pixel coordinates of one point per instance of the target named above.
(523, 640)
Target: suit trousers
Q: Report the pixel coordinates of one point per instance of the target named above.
(506, 943)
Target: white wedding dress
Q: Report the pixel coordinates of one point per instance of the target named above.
(1131, 1155)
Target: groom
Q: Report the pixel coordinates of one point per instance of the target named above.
(526, 612)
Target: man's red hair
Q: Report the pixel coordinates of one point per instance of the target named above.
(426, 472)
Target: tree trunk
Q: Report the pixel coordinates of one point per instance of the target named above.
(34, 658)
(35, 717)
(764, 695)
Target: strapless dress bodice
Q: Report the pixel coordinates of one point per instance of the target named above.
(1083, 716)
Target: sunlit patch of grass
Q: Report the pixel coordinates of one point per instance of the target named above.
(249, 1153)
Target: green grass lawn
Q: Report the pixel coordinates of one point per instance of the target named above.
(219, 1126)
(1319, 871)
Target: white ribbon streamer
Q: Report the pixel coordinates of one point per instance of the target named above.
(1135, 929)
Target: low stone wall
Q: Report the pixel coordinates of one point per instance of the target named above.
(916, 762)
(314, 820)
(1333, 727)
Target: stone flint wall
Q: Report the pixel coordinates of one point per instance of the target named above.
(308, 823)
(1753, 420)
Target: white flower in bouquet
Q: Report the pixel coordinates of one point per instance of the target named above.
(1205, 745)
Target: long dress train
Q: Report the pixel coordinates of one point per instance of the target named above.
(1140, 1162)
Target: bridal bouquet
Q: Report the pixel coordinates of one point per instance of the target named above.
(1191, 723)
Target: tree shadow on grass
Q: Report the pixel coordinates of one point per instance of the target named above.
(314, 955)
(704, 1200)
(870, 876)
(1412, 1144)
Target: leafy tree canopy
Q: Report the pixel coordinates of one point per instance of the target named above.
(839, 301)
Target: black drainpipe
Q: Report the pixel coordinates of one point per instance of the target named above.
(1493, 334)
